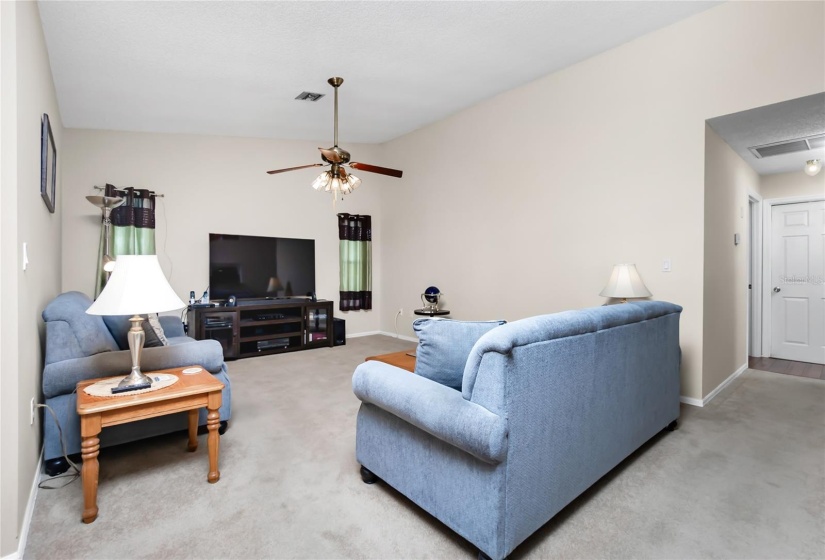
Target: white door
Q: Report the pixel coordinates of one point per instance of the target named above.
(797, 287)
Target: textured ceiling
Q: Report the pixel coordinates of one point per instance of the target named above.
(234, 68)
(779, 122)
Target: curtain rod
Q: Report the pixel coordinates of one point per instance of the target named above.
(104, 188)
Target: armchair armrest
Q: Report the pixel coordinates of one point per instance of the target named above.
(60, 378)
(437, 409)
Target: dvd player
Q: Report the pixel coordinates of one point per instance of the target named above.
(273, 343)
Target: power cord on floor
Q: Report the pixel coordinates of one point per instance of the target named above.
(72, 476)
(396, 323)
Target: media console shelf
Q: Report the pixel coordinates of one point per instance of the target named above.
(264, 328)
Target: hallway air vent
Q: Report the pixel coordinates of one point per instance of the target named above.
(788, 146)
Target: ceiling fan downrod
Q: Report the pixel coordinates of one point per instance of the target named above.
(336, 83)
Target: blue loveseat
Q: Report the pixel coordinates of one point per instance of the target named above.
(547, 406)
(81, 346)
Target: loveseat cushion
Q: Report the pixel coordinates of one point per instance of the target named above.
(443, 347)
(71, 332)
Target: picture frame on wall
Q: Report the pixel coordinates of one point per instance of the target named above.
(48, 164)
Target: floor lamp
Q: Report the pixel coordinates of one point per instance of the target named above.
(106, 205)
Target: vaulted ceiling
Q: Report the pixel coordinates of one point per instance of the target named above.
(235, 68)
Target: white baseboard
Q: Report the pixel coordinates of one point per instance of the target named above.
(391, 335)
(722, 385)
(27, 517)
(360, 334)
(725, 383)
(691, 401)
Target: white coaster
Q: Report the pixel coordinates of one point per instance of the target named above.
(191, 370)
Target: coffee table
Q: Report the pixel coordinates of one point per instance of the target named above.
(190, 392)
(401, 359)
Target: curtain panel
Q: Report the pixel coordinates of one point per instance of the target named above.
(133, 228)
(355, 252)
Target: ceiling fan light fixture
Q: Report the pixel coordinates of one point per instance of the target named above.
(322, 181)
(334, 185)
(813, 166)
(353, 182)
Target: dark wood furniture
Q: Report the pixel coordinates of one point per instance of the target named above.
(404, 360)
(264, 328)
(190, 392)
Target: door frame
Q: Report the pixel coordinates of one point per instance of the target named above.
(767, 214)
(754, 305)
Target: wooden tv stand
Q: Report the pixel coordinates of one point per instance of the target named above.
(262, 328)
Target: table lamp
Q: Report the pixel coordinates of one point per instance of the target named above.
(624, 283)
(137, 286)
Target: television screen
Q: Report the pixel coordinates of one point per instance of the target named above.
(251, 267)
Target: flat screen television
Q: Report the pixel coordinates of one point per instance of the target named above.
(252, 267)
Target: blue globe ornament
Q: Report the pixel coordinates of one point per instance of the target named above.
(432, 294)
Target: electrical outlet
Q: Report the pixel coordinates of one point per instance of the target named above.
(31, 413)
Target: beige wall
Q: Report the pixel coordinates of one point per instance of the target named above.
(728, 181)
(798, 183)
(522, 204)
(212, 184)
(26, 80)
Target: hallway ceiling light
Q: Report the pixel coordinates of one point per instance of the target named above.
(813, 166)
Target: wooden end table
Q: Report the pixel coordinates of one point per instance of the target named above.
(190, 392)
(402, 359)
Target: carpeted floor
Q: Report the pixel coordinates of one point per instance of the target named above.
(742, 478)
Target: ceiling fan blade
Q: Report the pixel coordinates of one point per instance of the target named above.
(376, 169)
(331, 155)
(294, 168)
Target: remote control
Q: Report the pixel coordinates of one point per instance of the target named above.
(116, 390)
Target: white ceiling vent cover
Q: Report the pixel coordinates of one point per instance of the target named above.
(788, 146)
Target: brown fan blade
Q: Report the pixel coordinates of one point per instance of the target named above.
(294, 168)
(331, 155)
(376, 169)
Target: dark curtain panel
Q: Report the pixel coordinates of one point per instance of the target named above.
(355, 251)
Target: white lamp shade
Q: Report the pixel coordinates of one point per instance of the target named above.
(625, 282)
(137, 286)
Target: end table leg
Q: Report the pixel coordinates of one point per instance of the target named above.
(90, 449)
(213, 422)
(193, 430)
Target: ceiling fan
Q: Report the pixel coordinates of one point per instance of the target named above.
(337, 179)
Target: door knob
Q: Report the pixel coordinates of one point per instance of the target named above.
(776, 290)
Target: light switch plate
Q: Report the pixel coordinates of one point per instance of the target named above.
(666, 265)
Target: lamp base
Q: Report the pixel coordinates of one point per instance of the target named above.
(135, 380)
(127, 388)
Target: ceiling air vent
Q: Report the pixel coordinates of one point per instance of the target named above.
(309, 96)
(789, 146)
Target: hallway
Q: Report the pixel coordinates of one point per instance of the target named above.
(800, 369)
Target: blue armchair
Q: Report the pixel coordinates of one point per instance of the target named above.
(81, 346)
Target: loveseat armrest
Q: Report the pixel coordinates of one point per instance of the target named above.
(172, 327)
(60, 378)
(438, 410)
